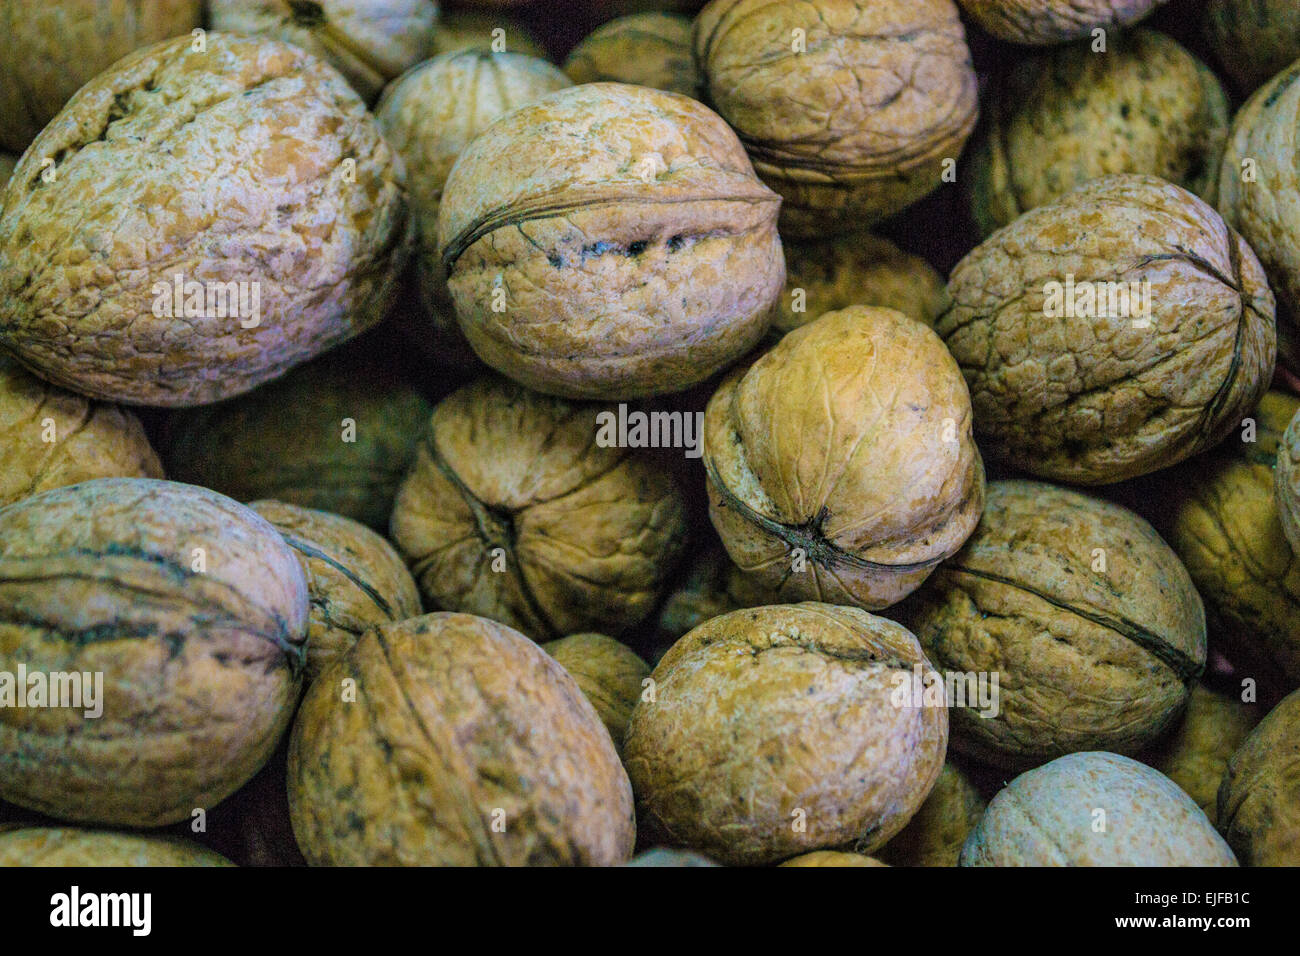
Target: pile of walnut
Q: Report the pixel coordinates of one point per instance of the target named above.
(487, 434)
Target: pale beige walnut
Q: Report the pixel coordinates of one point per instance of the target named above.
(192, 608)
(465, 30)
(512, 510)
(1087, 619)
(1286, 482)
(68, 846)
(779, 730)
(355, 580)
(833, 858)
(849, 108)
(610, 674)
(335, 435)
(1059, 119)
(1227, 531)
(935, 835)
(1110, 333)
(1094, 809)
(669, 857)
(463, 744)
(1044, 22)
(840, 465)
(610, 241)
(247, 162)
(1259, 798)
(1253, 39)
(857, 270)
(49, 48)
(1196, 754)
(429, 116)
(648, 49)
(50, 438)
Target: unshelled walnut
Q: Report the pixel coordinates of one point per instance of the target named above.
(337, 435)
(1086, 618)
(512, 510)
(936, 834)
(1044, 22)
(49, 49)
(1254, 39)
(610, 674)
(369, 41)
(466, 30)
(355, 580)
(69, 846)
(840, 465)
(1094, 809)
(464, 744)
(610, 241)
(648, 49)
(849, 108)
(780, 730)
(669, 857)
(833, 858)
(1057, 120)
(702, 592)
(1259, 798)
(1286, 482)
(194, 612)
(1110, 333)
(50, 438)
(214, 217)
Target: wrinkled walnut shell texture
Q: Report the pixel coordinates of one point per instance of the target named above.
(464, 30)
(67, 846)
(608, 673)
(647, 49)
(1259, 799)
(935, 835)
(1286, 482)
(1044, 22)
(1254, 39)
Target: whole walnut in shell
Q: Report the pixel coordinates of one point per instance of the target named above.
(369, 41)
(1086, 617)
(1259, 798)
(609, 673)
(610, 241)
(1094, 809)
(355, 580)
(1057, 120)
(1043, 22)
(1286, 482)
(193, 610)
(935, 834)
(849, 108)
(833, 858)
(49, 49)
(512, 510)
(840, 465)
(1110, 333)
(213, 218)
(780, 730)
(667, 856)
(462, 744)
(466, 30)
(647, 49)
(1254, 39)
(68, 846)
(50, 438)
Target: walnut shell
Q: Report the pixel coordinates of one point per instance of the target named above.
(848, 108)
(513, 511)
(1044, 22)
(840, 465)
(463, 30)
(1091, 624)
(49, 50)
(610, 241)
(50, 438)
(1094, 809)
(1254, 39)
(666, 856)
(1064, 117)
(250, 162)
(833, 858)
(1259, 798)
(935, 835)
(610, 674)
(1117, 391)
(1286, 482)
(464, 745)
(355, 580)
(647, 49)
(777, 731)
(194, 611)
(702, 592)
(68, 846)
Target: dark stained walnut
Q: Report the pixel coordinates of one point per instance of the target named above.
(1254, 39)
(647, 49)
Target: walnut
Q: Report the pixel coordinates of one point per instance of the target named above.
(512, 510)
(68, 846)
(369, 41)
(355, 580)
(215, 217)
(609, 673)
(780, 730)
(1110, 333)
(193, 610)
(50, 438)
(49, 50)
(1259, 798)
(703, 591)
(464, 30)
(840, 465)
(1086, 617)
(610, 241)
(849, 108)
(833, 858)
(1043, 22)
(648, 49)
(1059, 119)
(462, 744)
(1094, 809)
(935, 835)
(1286, 482)
(666, 856)
(1254, 39)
